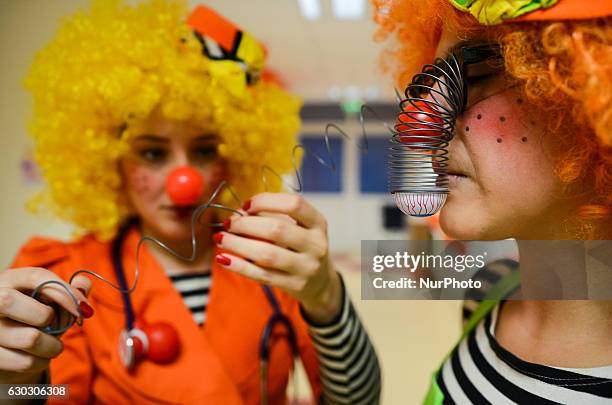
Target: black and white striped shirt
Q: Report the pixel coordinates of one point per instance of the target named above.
(480, 371)
(194, 288)
(350, 373)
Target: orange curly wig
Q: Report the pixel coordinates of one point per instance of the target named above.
(564, 69)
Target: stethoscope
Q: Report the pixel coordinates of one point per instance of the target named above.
(159, 342)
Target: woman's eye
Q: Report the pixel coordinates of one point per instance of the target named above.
(482, 87)
(206, 152)
(473, 81)
(153, 155)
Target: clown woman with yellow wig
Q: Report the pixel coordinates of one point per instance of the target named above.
(140, 114)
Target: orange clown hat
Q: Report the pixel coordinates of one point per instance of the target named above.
(571, 10)
(492, 12)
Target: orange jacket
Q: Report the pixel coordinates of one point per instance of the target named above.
(218, 363)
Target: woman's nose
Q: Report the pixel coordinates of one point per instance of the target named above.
(184, 185)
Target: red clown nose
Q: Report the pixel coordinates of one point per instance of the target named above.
(185, 186)
(421, 123)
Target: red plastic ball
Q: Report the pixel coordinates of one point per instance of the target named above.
(164, 343)
(185, 186)
(421, 120)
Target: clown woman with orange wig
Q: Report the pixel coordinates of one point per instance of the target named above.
(530, 159)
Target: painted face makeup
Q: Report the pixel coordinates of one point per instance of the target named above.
(159, 147)
(485, 117)
(501, 176)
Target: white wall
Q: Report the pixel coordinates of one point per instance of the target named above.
(25, 26)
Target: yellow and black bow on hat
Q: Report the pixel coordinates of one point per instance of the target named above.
(233, 52)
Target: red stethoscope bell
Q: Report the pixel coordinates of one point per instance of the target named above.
(185, 186)
(164, 345)
(158, 342)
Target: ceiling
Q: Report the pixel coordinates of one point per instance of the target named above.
(320, 60)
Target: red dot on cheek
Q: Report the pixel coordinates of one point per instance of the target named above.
(141, 183)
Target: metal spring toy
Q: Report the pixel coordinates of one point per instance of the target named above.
(423, 129)
(425, 125)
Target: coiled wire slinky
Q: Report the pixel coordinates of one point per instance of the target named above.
(424, 127)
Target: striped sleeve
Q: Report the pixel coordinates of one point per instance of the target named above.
(350, 373)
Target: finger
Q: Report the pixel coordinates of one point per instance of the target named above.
(31, 340)
(284, 217)
(25, 309)
(21, 362)
(290, 204)
(276, 230)
(265, 276)
(262, 253)
(240, 213)
(28, 278)
(243, 213)
(82, 283)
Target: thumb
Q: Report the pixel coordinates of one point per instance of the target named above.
(83, 284)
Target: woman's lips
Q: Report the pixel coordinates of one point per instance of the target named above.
(455, 179)
(181, 212)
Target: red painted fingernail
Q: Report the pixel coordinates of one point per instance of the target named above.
(227, 223)
(246, 205)
(86, 309)
(224, 260)
(82, 290)
(218, 238)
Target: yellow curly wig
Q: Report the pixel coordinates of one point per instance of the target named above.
(563, 67)
(109, 68)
